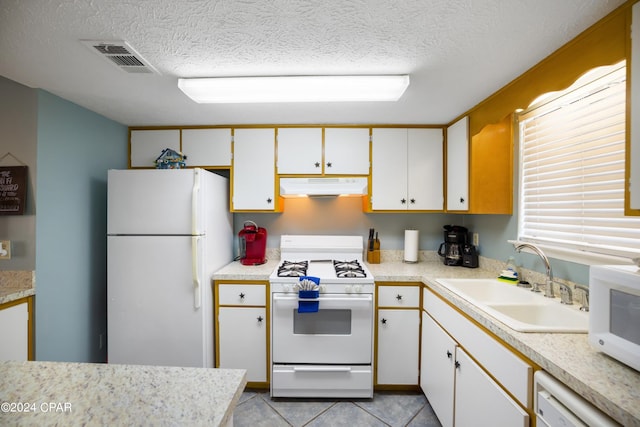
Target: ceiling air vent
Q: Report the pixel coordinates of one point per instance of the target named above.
(122, 55)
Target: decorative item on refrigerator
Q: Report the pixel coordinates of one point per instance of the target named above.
(171, 159)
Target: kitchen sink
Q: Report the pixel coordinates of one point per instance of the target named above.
(519, 308)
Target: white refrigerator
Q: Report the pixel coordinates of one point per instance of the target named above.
(168, 231)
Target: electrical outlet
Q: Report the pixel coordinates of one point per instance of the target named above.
(5, 249)
(476, 239)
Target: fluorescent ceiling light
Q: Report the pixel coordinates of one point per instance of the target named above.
(295, 88)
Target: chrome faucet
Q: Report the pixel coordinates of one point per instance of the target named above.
(585, 297)
(548, 291)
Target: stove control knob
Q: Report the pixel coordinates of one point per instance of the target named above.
(357, 288)
(285, 287)
(347, 289)
(322, 288)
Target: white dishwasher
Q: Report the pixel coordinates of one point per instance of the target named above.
(556, 405)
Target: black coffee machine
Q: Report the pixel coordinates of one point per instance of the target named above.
(455, 250)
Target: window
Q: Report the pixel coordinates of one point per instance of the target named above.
(572, 168)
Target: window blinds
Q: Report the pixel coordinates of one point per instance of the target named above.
(573, 170)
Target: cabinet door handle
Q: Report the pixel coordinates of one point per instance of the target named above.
(260, 319)
(241, 295)
(461, 199)
(383, 321)
(317, 164)
(413, 200)
(449, 354)
(403, 201)
(329, 164)
(457, 365)
(269, 200)
(399, 297)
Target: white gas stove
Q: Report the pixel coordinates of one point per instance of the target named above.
(326, 351)
(336, 260)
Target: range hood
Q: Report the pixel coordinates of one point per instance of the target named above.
(324, 186)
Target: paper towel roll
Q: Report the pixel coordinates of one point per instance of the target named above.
(411, 239)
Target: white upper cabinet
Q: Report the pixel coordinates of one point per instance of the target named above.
(424, 167)
(458, 165)
(346, 151)
(254, 169)
(388, 171)
(146, 145)
(634, 144)
(207, 147)
(407, 169)
(300, 151)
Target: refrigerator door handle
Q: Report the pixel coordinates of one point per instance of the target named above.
(194, 201)
(195, 241)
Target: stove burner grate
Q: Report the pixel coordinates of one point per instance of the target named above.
(349, 269)
(293, 268)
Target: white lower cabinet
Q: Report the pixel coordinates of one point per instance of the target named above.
(241, 316)
(460, 391)
(437, 369)
(243, 341)
(398, 331)
(398, 328)
(14, 332)
(478, 397)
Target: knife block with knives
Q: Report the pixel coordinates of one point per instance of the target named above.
(373, 247)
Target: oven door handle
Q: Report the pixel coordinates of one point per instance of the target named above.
(328, 301)
(321, 369)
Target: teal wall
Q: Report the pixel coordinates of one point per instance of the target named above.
(18, 136)
(75, 149)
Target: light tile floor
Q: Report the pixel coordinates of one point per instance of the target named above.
(397, 409)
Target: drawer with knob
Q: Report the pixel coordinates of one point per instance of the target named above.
(241, 295)
(399, 296)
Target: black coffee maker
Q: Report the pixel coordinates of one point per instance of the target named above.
(455, 239)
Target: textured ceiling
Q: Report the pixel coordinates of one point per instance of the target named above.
(457, 52)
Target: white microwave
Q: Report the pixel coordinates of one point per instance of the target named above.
(614, 316)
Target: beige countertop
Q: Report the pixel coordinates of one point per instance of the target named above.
(609, 385)
(15, 285)
(237, 271)
(70, 394)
